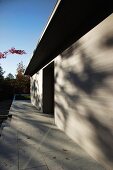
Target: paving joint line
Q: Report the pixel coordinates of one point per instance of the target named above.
(18, 150)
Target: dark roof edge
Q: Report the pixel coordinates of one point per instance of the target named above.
(66, 25)
(49, 20)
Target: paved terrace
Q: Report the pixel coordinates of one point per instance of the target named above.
(31, 141)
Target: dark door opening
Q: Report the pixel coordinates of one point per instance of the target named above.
(48, 89)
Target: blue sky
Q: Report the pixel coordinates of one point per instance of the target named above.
(21, 25)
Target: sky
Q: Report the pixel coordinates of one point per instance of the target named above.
(21, 25)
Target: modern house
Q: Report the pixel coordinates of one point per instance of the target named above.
(72, 74)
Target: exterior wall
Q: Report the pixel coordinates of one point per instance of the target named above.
(84, 92)
(36, 90)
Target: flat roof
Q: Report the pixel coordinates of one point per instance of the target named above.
(70, 20)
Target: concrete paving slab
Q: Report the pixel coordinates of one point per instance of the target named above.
(39, 168)
(31, 141)
(8, 165)
(25, 139)
(29, 157)
(32, 136)
(69, 161)
(9, 136)
(8, 156)
(56, 140)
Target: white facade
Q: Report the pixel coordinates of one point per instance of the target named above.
(83, 92)
(36, 90)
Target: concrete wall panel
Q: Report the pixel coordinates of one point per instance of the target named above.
(36, 90)
(84, 92)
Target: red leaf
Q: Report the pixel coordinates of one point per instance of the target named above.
(2, 55)
(12, 51)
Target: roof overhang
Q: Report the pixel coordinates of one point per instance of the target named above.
(69, 21)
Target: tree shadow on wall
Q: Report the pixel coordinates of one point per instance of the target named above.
(35, 94)
(104, 136)
(70, 51)
(107, 41)
(88, 81)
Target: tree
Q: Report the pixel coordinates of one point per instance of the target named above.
(1, 73)
(7, 85)
(20, 70)
(22, 84)
(10, 76)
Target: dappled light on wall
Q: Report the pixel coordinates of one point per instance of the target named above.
(36, 90)
(84, 92)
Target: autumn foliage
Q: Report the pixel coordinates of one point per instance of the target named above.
(11, 51)
(10, 85)
(22, 82)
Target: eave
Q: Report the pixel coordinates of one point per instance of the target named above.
(69, 21)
